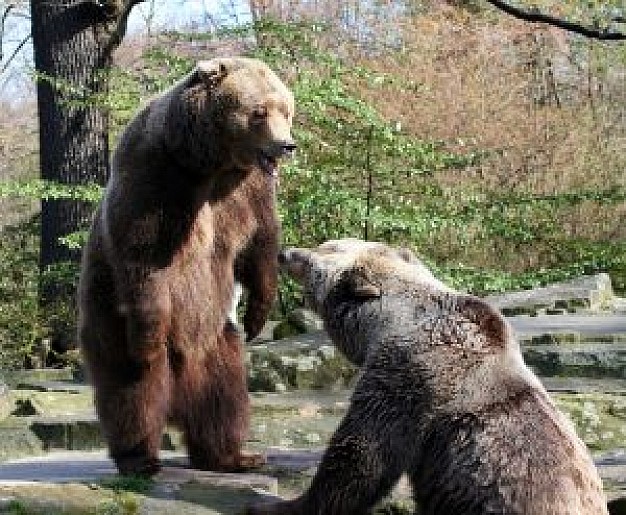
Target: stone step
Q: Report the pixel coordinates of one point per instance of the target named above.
(576, 385)
(59, 386)
(82, 482)
(577, 360)
(298, 418)
(310, 361)
(592, 293)
(15, 377)
(307, 419)
(612, 468)
(527, 326)
(573, 338)
(79, 482)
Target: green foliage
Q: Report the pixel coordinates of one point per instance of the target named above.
(20, 325)
(23, 325)
(16, 507)
(131, 483)
(124, 502)
(356, 174)
(130, 88)
(49, 190)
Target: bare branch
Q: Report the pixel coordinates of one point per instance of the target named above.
(118, 12)
(124, 14)
(13, 54)
(534, 16)
(5, 14)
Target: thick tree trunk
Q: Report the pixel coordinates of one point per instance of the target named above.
(73, 42)
(71, 58)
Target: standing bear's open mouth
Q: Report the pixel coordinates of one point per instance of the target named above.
(268, 158)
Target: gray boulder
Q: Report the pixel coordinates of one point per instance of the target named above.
(592, 293)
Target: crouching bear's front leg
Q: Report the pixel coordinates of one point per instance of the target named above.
(364, 460)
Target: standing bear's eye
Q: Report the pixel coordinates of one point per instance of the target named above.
(259, 113)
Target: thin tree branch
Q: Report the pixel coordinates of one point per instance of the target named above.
(13, 54)
(118, 12)
(535, 16)
(124, 14)
(5, 14)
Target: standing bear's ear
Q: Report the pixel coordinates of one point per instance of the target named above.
(360, 285)
(210, 72)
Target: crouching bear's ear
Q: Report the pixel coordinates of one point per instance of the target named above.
(210, 72)
(360, 285)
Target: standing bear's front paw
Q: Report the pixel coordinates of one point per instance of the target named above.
(253, 322)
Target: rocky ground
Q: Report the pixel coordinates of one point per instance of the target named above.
(52, 452)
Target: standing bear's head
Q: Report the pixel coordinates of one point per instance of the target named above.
(230, 112)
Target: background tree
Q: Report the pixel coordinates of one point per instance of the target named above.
(491, 146)
(73, 44)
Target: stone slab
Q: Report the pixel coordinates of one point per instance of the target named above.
(587, 360)
(5, 401)
(526, 326)
(584, 385)
(85, 467)
(588, 293)
(185, 491)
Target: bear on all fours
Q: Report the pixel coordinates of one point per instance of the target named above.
(188, 211)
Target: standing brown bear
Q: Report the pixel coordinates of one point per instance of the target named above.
(444, 396)
(189, 209)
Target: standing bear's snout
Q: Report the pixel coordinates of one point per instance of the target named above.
(288, 148)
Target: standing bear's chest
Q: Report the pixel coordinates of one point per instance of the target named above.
(202, 272)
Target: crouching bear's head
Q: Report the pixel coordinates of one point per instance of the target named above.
(361, 268)
(234, 113)
(350, 282)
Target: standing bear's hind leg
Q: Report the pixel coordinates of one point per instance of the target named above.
(212, 407)
(128, 367)
(132, 403)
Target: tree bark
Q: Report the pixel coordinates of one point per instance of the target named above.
(73, 42)
(70, 60)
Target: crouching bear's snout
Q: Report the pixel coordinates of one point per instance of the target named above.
(295, 262)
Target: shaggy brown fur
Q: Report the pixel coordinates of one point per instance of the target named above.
(188, 210)
(443, 396)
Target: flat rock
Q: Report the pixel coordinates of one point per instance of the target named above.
(306, 361)
(6, 403)
(15, 377)
(593, 293)
(526, 327)
(587, 360)
(88, 483)
(584, 385)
